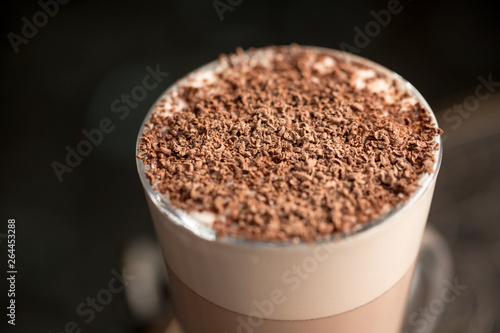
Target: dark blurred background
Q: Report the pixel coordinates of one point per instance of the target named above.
(63, 79)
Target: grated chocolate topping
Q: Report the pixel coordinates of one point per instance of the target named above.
(288, 144)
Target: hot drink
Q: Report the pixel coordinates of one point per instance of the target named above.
(289, 188)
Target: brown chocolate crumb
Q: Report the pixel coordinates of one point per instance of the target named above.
(289, 148)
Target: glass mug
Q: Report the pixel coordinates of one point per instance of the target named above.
(353, 282)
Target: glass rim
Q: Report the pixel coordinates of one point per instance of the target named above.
(182, 218)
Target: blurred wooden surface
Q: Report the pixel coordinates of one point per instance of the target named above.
(466, 210)
(174, 327)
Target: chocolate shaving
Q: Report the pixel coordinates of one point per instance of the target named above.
(286, 150)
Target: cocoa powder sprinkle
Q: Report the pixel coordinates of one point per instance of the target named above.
(288, 148)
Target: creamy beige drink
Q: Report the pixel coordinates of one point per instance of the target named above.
(289, 188)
